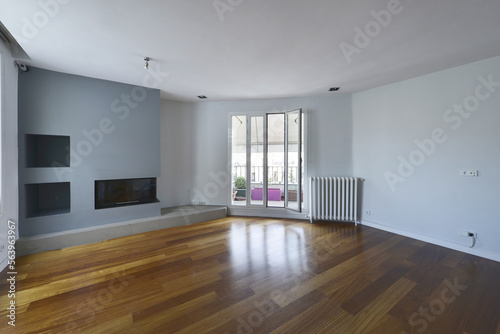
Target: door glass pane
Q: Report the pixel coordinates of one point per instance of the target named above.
(257, 160)
(238, 160)
(275, 160)
(292, 176)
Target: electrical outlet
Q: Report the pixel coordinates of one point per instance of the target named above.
(469, 173)
(465, 233)
(368, 212)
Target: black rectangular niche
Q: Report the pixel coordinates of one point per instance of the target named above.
(116, 193)
(47, 151)
(44, 199)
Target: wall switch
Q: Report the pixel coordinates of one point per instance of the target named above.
(469, 173)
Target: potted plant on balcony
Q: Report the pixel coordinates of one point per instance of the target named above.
(240, 184)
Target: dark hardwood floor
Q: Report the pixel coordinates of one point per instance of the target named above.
(255, 275)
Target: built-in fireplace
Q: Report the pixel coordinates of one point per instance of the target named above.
(116, 193)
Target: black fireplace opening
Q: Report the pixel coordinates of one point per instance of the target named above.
(124, 192)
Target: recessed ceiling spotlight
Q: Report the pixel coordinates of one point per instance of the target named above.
(334, 89)
(202, 97)
(146, 65)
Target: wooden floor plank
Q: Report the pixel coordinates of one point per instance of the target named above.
(255, 275)
(358, 302)
(316, 319)
(379, 307)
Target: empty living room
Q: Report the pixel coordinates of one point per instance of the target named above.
(236, 166)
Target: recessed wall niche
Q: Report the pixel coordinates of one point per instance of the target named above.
(47, 151)
(44, 199)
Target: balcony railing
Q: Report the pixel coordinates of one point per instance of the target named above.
(275, 175)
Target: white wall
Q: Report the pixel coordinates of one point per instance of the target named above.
(176, 151)
(366, 135)
(428, 198)
(204, 126)
(9, 151)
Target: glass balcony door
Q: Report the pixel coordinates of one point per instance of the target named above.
(266, 160)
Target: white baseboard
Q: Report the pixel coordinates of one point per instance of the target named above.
(4, 264)
(435, 241)
(184, 215)
(267, 213)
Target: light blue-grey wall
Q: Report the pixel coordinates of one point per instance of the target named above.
(426, 197)
(114, 130)
(202, 130)
(9, 175)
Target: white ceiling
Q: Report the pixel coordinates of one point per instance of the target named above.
(252, 48)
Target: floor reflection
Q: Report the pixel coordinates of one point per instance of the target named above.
(285, 246)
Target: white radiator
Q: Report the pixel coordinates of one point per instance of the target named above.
(334, 198)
